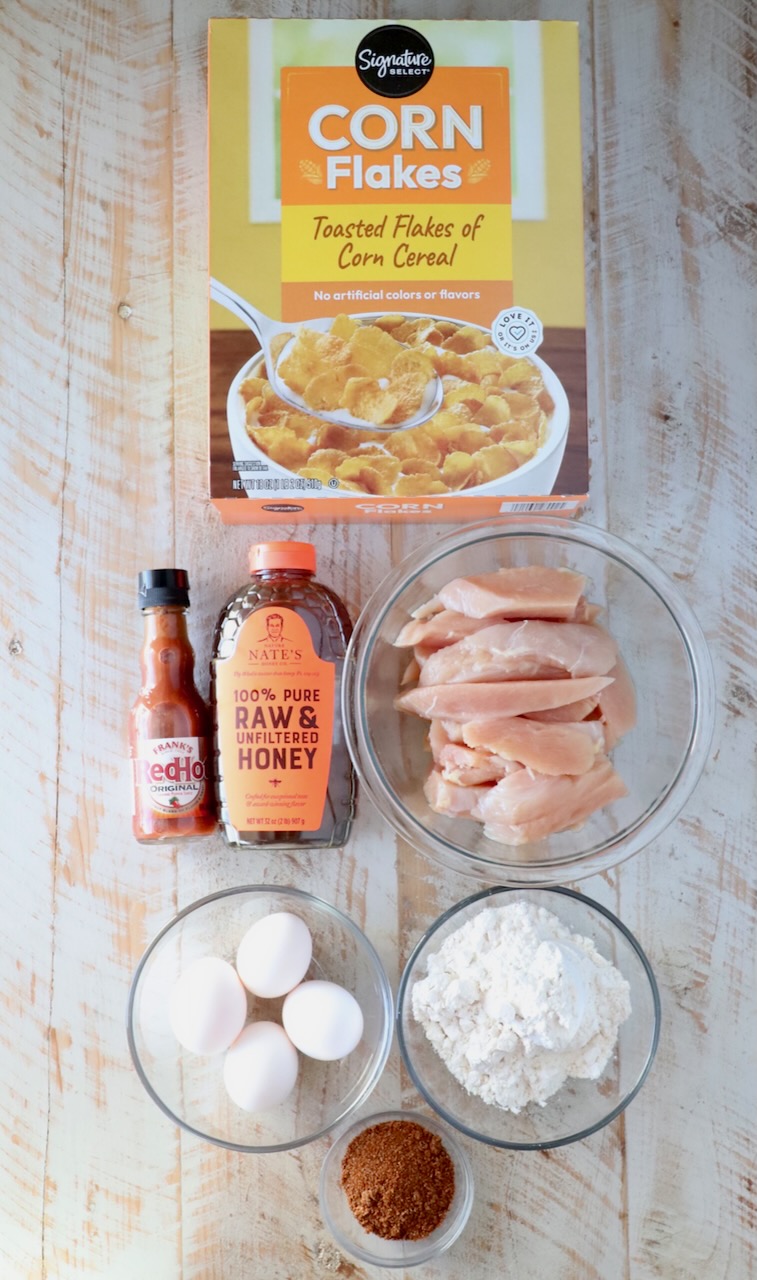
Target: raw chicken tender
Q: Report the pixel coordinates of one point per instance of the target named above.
(462, 702)
(524, 592)
(527, 806)
(617, 710)
(543, 748)
(440, 629)
(522, 651)
(447, 626)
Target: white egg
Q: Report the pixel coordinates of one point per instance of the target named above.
(274, 954)
(260, 1068)
(207, 1006)
(322, 1020)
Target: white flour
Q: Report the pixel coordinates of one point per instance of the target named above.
(514, 1003)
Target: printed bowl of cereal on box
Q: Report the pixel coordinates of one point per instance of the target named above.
(501, 427)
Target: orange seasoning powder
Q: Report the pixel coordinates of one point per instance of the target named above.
(283, 770)
(169, 725)
(399, 1180)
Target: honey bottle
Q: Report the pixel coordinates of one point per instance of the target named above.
(169, 727)
(283, 773)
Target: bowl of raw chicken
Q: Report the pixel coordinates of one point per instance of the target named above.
(528, 702)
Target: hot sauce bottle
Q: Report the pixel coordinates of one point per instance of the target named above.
(283, 772)
(169, 727)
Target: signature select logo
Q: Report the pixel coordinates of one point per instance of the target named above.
(406, 63)
(394, 61)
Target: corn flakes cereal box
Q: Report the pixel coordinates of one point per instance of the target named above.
(397, 319)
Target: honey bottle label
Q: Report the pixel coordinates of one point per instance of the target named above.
(275, 706)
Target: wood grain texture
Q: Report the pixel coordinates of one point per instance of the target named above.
(677, 185)
(103, 413)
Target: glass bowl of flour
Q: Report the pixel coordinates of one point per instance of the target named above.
(528, 1017)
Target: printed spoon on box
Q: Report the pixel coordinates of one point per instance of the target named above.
(276, 353)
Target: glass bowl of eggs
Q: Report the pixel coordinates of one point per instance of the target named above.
(259, 1018)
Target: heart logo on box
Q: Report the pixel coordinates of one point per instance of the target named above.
(517, 332)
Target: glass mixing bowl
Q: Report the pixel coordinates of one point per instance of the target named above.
(375, 1250)
(189, 1087)
(659, 638)
(580, 1107)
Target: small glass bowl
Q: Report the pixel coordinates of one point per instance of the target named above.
(660, 759)
(189, 1088)
(580, 1107)
(373, 1249)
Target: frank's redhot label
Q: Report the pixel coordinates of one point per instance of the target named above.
(170, 774)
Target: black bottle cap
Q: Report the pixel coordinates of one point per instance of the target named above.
(163, 587)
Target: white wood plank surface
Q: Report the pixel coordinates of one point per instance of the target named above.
(103, 417)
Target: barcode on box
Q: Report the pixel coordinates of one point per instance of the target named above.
(538, 506)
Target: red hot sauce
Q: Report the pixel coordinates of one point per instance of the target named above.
(169, 725)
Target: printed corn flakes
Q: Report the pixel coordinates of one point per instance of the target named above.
(493, 416)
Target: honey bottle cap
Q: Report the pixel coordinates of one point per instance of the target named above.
(282, 555)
